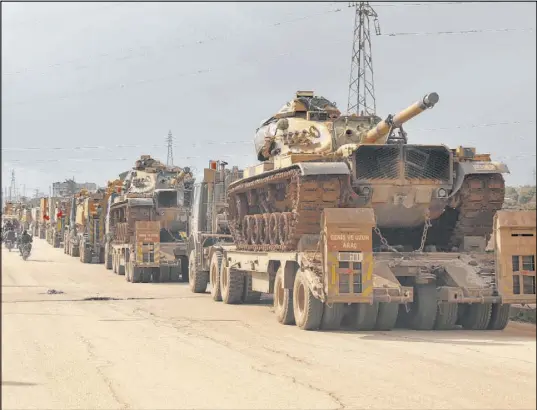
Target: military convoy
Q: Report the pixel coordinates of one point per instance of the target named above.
(343, 221)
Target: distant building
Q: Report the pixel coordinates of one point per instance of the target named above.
(69, 187)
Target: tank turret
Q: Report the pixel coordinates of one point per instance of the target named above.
(313, 125)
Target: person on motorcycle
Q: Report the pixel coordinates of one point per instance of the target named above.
(24, 239)
(10, 235)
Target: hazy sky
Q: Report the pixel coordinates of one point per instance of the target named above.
(100, 75)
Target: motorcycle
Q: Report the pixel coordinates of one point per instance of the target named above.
(9, 244)
(25, 251)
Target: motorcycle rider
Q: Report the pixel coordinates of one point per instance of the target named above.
(10, 235)
(24, 239)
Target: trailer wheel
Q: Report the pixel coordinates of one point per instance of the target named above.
(499, 317)
(250, 296)
(86, 255)
(107, 257)
(136, 274)
(164, 274)
(56, 242)
(231, 282)
(75, 251)
(283, 301)
(307, 308)
(477, 316)
(102, 255)
(446, 316)
(184, 269)
(196, 280)
(215, 271)
(365, 316)
(422, 313)
(387, 316)
(174, 273)
(332, 316)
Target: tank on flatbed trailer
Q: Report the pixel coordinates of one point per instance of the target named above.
(147, 223)
(53, 224)
(44, 217)
(336, 278)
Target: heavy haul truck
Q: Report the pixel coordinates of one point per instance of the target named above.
(147, 223)
(347, 224)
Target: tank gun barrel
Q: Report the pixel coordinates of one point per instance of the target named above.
(383, 127)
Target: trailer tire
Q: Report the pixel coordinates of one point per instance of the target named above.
(174, 273)
(196, 280)
(283, 301)
(107, 257)
(387, 316)
(332, 316)
(499, 317)
(250, 296)
(365, 316)
(446, 316)
(136, 274)
(102, 255)
(422, 314)
(164, 274)
(477, 316)
(86, 255)
(231, 283)
(75, 251)
(307, 308)
(215, 272)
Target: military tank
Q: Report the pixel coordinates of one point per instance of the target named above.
(423, 195)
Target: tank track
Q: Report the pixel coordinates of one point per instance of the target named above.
(480, 197)
(272, 212)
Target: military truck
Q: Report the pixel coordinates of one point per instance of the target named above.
(314, 225)
(147, 223)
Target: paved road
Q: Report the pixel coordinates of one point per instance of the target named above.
(168, 349)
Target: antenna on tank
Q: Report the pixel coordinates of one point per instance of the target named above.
(169, 140)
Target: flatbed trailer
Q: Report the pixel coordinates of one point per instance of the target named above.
(335, 279)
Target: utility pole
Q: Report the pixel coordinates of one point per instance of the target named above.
(361, 85)
(169, 140)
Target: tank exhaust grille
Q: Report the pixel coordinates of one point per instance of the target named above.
(427, 163)
(401, 161)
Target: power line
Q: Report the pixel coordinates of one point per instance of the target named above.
(145, 50)
(220, 142)
(459, 32)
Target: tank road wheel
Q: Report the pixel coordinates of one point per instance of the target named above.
(446, 316)
(499, 316)
(184, 269)
(387, 316)
(307, 308)
(215, 270)
(247, 229)
(257, 230)
(231, 285)
(365, 316)
(266, 227)
(284, 227)
(248, 295)
(422, 312)
(107, 257)
(332, 316)
(273, 229)
(477, 316)
(196, 279)
(283, 301)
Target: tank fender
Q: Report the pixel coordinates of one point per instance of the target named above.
(324, 168)
(462, 169)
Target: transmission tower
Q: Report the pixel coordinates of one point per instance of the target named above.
(361, 85)
(169, 140)
(12, 187)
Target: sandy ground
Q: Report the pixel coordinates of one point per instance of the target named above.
(167, 348)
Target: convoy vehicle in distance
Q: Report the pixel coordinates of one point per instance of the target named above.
(147, 223)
